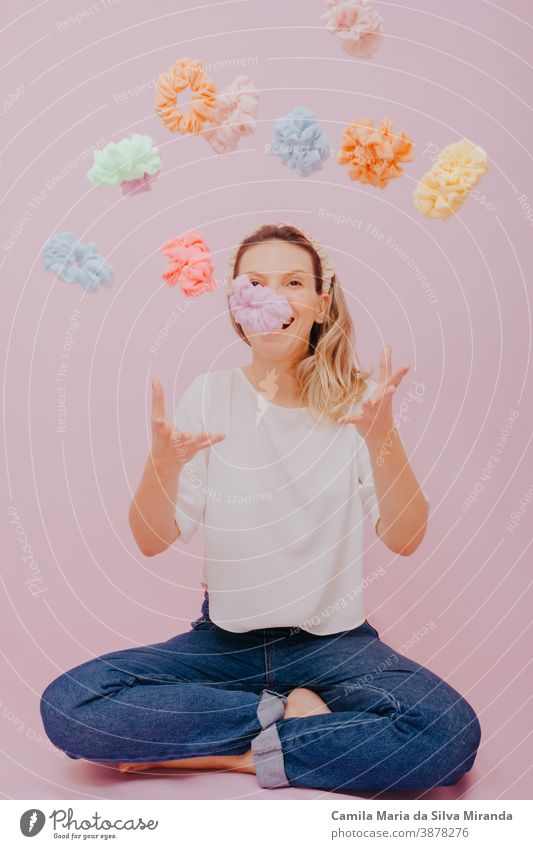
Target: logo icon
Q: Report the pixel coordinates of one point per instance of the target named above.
(269, 389)
(32, 822)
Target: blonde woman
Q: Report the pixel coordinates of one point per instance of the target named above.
(281, 675)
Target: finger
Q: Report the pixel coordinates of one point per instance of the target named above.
(383, 366)
(182, 434)
(396, 379)
(179, 436)
(158, 401)
(386, 363)
(210, 439)
(160, 426)
(350, 418)
(192, 439)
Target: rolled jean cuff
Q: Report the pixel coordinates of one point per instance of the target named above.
(266, 747)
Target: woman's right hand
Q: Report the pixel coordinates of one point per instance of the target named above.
(171, 447)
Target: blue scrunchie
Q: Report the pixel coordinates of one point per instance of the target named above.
(76, 263)
(300, 141)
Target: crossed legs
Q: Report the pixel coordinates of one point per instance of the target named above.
(356, 714)
(300, 702)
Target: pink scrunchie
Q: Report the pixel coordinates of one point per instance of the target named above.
(234, 116)
(190, 264)
(356, 25)
(139, 185)
(257, 308)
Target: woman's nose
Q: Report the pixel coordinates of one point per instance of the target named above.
(277, 289)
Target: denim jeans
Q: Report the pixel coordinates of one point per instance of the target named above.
(393, 723)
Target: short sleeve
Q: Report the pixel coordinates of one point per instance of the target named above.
(366, 478)
(190, 416)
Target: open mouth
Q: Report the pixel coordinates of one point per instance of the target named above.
(284, 327)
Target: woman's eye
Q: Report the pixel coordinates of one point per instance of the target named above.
(253, 282)
(298, 282)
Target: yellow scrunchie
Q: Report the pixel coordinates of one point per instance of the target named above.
(444, 188)
(187, 73)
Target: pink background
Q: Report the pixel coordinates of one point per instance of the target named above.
(442, 73)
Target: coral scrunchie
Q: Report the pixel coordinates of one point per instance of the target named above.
(257, 308)
(445, 187)
(190, 264)
(373, 154)
(234, 116)
(187, 73)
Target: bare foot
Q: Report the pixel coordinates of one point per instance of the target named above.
(303, 702)
(300, 702)
(237, 763)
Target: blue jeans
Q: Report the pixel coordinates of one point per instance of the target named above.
(393, 723)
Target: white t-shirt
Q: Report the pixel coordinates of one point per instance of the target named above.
(283, 498)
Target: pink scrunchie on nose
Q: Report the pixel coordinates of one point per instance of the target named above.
(190, 264)
(257, 308)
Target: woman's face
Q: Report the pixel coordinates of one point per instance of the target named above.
(288, 270)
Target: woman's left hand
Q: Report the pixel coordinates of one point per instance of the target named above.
(374, 418)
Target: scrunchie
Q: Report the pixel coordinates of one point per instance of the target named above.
(190, 264)
(355, 25)
(257, 308)
(300, 141)
(133, 162)
(444, 188)
(373, 154)
(76, 263)
(141, 184)
(234, 116)
(187, 73)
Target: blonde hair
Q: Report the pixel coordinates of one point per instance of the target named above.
(328, 378)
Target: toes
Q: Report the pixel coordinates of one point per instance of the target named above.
(133, 767)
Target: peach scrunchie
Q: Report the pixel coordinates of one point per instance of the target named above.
(235, 115)
(187, 73)
(373, 154)
(356, 25)
(190, 264)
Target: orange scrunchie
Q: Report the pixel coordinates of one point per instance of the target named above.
(373, 154)
(187, 73)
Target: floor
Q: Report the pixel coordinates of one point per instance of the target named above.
(47, 774)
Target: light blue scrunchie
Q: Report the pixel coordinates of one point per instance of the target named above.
(300, 141)
(76, 263)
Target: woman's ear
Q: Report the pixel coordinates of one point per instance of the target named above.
(323, 308)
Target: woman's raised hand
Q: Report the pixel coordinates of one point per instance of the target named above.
(374, 417)
(171, 447)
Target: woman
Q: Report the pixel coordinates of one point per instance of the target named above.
(281, 675)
